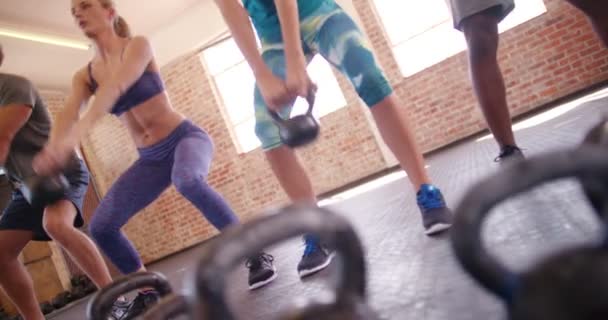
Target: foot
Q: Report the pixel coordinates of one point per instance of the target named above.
(141, 303)
(119, 309)
(509, 153)
(436, 216)
(261, 270)
(315, 258)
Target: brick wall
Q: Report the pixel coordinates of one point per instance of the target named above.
(549, 57)
(171, 222)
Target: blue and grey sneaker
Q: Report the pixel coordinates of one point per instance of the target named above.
(316, 257)
(436, 216)
(261, 270)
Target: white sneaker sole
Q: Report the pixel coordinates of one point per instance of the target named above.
(258, 285)
(437, 228)
(308, 272)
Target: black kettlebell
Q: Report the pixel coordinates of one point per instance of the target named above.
(172, 305)
(596, 187)
(301, 129)
(41, 191)
(234, 245)
(100, 305)
(569, 285)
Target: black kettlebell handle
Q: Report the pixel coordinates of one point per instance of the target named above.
(310, 100)
(168, 307)
(101, 304)
(226, 252)
(41, 191)
(510, 181)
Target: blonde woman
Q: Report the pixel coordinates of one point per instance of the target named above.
(125, 79)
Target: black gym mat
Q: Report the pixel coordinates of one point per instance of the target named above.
(412, 276)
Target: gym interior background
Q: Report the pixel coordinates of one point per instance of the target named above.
(548, 53)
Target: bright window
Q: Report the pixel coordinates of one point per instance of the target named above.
(235, 83)
(421, 32)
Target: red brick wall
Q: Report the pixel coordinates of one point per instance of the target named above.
(549, 57)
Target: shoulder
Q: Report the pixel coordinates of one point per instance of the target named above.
(139, 43)
(16, 80)
(81, 76)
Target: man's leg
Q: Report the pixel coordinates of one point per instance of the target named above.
(14, 278)
(597, 12)
(342, 43)
(481, 33)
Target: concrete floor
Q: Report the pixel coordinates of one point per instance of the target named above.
(413, 276)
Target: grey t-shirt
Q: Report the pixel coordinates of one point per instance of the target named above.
(34, 134)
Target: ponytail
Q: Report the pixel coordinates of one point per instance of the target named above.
(121, 27)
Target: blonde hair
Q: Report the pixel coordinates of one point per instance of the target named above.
(121, 27)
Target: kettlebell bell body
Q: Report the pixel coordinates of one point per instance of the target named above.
(570, 285)
(42, 191)
(347, 308)
(596, 186)
(573, 284)
(299, 130)
(235, 244)
(100, 305)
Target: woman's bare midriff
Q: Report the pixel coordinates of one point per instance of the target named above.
(151, 121)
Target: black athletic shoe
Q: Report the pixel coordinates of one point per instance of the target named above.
(261, 270)
(141, 303)
(508, 153)
(119, 309)
(315, 258)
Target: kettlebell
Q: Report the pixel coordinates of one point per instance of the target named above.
(41, 191)
(234, 245)
(569, 285)
(100, 305)
(594, 186)
(300, 130)
(170, 306)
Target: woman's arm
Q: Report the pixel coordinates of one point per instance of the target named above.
(272, 88)
(137, 57)
(298, 82)
(69, 115)
(237, 19)
(67, 136)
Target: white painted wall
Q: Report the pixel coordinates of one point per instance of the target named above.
(198, 26)
(192, 29)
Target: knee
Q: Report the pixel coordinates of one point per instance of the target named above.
(100, 231)
(7, 257)
(56, 227)
(266, 130)
(369, 81)
(187, 181)
(267, 133)
(589, 7)
(601, 28)
(481, 34)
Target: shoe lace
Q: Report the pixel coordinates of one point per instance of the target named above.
(259, 260)
(144, 298)
(430, 198)
(311, 245)
(119, 308)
